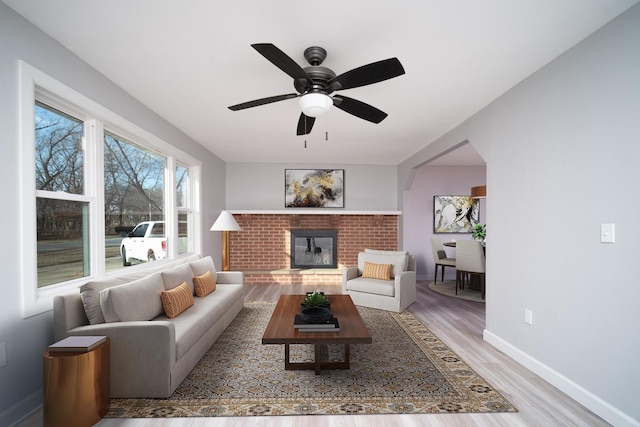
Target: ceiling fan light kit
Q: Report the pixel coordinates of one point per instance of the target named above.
(315, 104)
(315, 83)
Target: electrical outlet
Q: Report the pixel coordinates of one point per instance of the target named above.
(528, 316)
(3, 354)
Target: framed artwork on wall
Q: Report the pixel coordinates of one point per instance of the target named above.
(455, 214)
(314, 188)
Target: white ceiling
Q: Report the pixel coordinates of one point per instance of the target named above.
(189, 59)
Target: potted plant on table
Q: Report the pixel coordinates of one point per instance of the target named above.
(315, 299)
(315, 308)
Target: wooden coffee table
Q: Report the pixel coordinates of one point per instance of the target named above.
(280, 330)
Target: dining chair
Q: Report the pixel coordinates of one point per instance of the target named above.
(470, 261)
(440, 258)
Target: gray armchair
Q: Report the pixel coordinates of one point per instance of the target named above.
(395, 294)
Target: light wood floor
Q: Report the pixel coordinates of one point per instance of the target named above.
(458, 324)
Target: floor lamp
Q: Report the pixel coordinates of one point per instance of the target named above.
(225, 223)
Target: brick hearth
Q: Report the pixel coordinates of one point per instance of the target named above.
(262, 248)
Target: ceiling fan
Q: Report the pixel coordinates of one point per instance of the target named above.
(315, 83)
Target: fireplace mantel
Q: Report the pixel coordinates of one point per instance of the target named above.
(326, 211)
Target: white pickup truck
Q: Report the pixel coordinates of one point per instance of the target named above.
(147, 242)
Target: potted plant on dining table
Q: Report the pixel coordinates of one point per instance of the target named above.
(479, 232)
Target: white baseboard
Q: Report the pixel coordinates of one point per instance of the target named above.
(603, 409)
(20, 411)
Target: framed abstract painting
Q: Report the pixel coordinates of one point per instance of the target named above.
(455, 214)
(314, 188)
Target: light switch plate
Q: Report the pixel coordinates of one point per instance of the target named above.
(607, 233)
(528, 316)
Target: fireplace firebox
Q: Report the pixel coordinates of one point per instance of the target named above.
(314, 249)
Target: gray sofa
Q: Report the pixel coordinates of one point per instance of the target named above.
(395, 294)
(150, 353)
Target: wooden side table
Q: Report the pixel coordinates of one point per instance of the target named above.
(76, 383)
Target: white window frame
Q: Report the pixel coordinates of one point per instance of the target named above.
(36, 85)
(189, 207)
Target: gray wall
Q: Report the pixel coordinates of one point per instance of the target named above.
(562, 151)
(253, 186)
(26, 339)
(417, 212)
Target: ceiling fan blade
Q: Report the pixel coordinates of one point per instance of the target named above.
(368, 74)
(283, 61)
(305, 124)
(359, 109)
(262, 101)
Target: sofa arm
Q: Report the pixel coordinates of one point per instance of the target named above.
(405, 286)
(230, 277)
(68, 313)
(348, 274)
(143, 354)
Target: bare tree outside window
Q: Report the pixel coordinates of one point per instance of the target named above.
(133, 191)
(59, 154)
(62, 238)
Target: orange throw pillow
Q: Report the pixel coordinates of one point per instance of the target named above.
(204, 284)
(176, 300)
(377, 271)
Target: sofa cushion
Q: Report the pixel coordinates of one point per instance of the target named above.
(205, 314)
(399, 261)
(377, 271)
(176, 275)
(203, 265)
(137, 300)
(90, 296)
(176, 300)
(204, 284)
(372, 286)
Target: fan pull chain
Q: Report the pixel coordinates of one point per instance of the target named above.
(326, 133)
(305, 129)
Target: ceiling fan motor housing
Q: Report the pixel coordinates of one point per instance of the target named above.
(315, 55)
(319, 76)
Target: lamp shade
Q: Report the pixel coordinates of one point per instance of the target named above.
(479, 192)
(315, 104)
(225, 222)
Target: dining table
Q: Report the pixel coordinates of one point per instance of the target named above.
(452, 244)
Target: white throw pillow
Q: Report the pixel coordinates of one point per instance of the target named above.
(175, 276)
(203, 265)
(138, 300)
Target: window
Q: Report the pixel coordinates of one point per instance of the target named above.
(61, 205)
(89, 178)
(133, 193)
(185, 214)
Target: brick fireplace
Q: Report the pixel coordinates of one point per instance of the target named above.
(262, 249)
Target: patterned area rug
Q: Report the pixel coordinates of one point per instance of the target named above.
(406, 370)
(448, 288)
